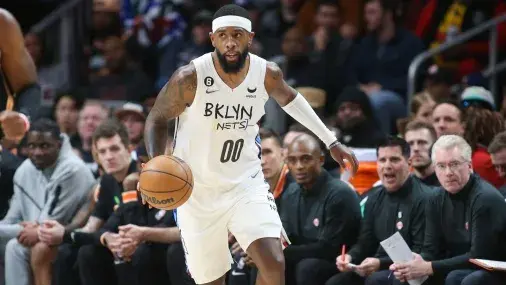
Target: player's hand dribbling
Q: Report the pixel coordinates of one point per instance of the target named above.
(342, 154)
(14, 125)
(139, 189)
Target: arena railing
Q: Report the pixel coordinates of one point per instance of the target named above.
(65, 31)
(490, 72)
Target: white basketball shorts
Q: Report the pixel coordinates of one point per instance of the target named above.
(207, 217)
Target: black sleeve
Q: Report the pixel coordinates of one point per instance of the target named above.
(112, 224)
(367, 242)
(28, 101)
(104, 205)
(80, 238)
(418, 224)
(433, 235)
(342, 221)
(484, 212)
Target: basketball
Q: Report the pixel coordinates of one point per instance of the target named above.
(166, 182)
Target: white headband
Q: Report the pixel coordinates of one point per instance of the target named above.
(231, 21)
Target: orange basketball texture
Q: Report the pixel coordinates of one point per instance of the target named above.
(166, 182)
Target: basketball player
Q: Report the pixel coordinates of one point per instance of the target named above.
(18, 79)
(216, 102)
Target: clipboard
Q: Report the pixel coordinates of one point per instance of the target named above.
(490, 265)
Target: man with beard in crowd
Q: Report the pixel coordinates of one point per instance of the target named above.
(356, 121)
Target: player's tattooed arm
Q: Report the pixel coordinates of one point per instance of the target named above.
(172, 100)
(276, 86)
(15, 60)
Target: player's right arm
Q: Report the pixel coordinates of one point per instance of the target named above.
(16, 63)
(172, 100)
(18, 67)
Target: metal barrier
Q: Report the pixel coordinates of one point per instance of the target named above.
(65, 29)
(492, 69)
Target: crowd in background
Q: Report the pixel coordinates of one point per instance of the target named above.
(349, 59)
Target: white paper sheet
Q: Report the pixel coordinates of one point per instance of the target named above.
(399, 251)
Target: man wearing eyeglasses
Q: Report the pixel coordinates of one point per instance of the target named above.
(465, 219)
(497, 150)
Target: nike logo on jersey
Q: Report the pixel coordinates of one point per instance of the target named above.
(251, 90)
(234, 273)
(255, 175)
(210, 91)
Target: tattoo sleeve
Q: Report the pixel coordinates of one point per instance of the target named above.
(172, 100)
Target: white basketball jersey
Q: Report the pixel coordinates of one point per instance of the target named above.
(218, 134)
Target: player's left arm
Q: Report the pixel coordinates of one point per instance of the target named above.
(18, 66)
(295, 105)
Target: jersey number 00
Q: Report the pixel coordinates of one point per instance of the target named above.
(231, 150)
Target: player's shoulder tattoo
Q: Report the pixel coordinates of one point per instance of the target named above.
(273, 71)
(187, 77)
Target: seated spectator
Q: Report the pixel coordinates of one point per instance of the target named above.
(497, 150)
(356, 120)
(111, 142)
(421, 136)
(132, 116)
(273, 166)
(421, 109)
(329, 47)
(481, 125)
(440, 21)
(90, 117)
(295, 63)
(465, 219)
(177, 52)
(53, 184)
(319, 213)
(381, 61)
(105, 23)
(49, 77)
(438, 82)
(123, 80)
(65, 112)
(398, 205)
(448, 119)
(274, 23)
(131, 247)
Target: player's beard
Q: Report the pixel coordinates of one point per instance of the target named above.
(232, 67)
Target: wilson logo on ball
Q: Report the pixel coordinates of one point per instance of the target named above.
(153, 200)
